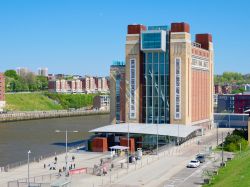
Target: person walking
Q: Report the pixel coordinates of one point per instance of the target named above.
(55, 160)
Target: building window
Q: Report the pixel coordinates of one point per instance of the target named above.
(118, 102)
(177, 88)
(132, 112)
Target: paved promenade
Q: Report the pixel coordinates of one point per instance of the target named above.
(152, 170)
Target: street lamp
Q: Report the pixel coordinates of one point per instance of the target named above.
(217, 130)
(128, 146)
(66, 145)
(29, 168)
(222, 150)
(178, 134)
(157, 139)
(240, 147)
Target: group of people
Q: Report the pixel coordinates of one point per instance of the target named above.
(53, 165)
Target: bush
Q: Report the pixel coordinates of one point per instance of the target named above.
(231, 147)
(244, 145)
(233, 141)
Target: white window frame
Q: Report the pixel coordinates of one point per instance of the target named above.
(177, 114)
(132, 88)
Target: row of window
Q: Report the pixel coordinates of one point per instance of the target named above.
(132, 88)
(156, 57)
(200, 63)
(177, 88)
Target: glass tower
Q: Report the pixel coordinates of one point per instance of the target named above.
(155, 47)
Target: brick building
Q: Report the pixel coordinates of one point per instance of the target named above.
(169, 78)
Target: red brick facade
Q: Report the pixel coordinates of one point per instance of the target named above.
(204, 40)
(99, 144)
(124, 142)
(200, 91)
(136, 29)
(180, 27)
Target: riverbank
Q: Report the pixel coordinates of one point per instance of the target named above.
(44, 101)
(31, 115)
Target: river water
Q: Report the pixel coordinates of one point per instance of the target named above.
(39, 136)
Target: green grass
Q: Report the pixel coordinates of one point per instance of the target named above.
(73, 100)
(235, 174)
(30, 102)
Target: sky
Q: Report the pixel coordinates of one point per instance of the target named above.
(85, 37)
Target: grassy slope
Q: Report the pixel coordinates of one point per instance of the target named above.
(30, 102)
(236, 173)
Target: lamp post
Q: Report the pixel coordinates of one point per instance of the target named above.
(240, 147)
(66, 147)
(222, 151)
(29, 168)
(128, 146)
(157, 139)
(217, 134)
(178, 134)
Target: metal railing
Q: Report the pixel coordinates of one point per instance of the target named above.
(35, 159)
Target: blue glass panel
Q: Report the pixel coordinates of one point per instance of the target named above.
(151, 40)
(156, 58)
(149, 60)
(162, 57)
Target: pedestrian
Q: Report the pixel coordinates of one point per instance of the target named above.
(44, 166)
(73, 158)
(55, 159)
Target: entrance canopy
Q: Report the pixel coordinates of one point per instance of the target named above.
(149, 129)
(118, 147)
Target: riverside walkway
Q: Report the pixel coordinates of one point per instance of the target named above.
(152, 170)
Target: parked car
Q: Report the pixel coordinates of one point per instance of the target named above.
(201, 158)
(193, 164)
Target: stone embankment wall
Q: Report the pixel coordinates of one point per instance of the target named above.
(18, 116)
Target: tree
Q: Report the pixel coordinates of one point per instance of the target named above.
(11, 73)
(42, 82)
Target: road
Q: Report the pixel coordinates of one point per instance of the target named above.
(171, 170)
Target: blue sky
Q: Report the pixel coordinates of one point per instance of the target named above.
(84, 37)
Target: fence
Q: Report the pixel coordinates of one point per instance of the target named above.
(34, 159)
(38, 181)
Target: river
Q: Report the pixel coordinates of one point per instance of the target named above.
(39, 136)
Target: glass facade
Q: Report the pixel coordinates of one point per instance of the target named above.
(117, 91)
(156, 82)
(151, 40)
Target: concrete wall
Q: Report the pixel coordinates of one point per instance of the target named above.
(18, 116)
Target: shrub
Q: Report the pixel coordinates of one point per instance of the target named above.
(231, 147)
(232, 143)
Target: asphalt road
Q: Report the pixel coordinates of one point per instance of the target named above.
(192, 177)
